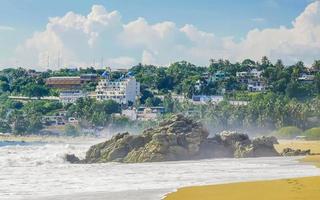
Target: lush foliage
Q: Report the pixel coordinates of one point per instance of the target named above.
(288, 101)
(182, 77)
(91, 112)
(313, 133)
(71, 130)
(288, 132)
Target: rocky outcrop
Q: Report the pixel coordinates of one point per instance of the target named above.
(178, 138)
(238, 145)
(293, 152)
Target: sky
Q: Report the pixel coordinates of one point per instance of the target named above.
(41, 34)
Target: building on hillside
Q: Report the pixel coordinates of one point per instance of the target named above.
(121, 70)
(143, 113)
(204, 99)
(313, 70)
(33, 73)
(255, 73)
(243, 77)
(87, 78)
(130, 114)
(53, 120)
(306, 78)
(198, 85)
(70, 96)
(256, 86)
(64, 82)
(242, 74)
(123, 91)
(179, 98)
(220, 76)
(239, 103)
(247, 76)
(149, 113)
(71, 82)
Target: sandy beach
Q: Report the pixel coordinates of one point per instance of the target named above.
(285, 189)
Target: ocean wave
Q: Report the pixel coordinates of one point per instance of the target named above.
(29, 172)
(35, 155)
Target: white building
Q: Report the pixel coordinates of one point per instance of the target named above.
(253, 73)
(306, 78)
(204, 99)
(130, 113)
(71, 96)
(143, 113)
(122, 91)
(256, 86)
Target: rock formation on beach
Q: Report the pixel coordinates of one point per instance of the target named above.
(295, 152)
(178, 138)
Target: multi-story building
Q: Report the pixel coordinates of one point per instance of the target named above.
(256, 86)
(71, 96)
(247, 76)
(123, 91)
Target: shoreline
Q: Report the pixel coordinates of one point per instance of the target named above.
(48, 139)
(306, 188)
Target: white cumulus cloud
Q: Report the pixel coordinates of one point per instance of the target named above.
(79, 40)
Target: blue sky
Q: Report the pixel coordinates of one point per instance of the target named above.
(222, 18)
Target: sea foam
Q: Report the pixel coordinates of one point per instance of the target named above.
(40, 172)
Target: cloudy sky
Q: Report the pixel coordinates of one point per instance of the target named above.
(120, 33)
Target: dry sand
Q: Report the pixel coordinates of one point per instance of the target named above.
(314, 146)
(287, 189)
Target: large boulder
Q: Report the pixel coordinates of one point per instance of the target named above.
(178, 138)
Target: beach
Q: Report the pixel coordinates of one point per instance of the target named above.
(285, 189)
(306, 188)
(38, 172)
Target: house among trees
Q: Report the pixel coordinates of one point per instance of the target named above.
(256, 86)
(306, 78)
(144, 113)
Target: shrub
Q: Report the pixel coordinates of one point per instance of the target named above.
(71, 131)
(4, 126)
(288, 132)
(313, 133)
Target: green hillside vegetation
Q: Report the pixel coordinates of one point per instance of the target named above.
(286, 102)
(288, 132)
(313, 133)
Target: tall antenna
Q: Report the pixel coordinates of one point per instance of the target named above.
(48, 60)
(59, 59)
(101, 63)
